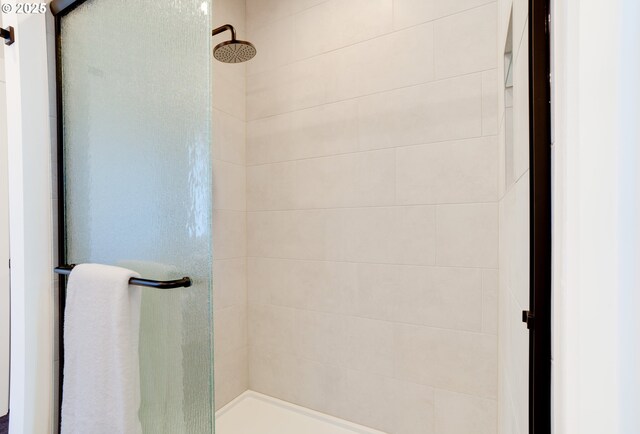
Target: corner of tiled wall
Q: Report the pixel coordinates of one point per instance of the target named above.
(229, 214)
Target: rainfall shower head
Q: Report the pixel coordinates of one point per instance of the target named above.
(233, 51)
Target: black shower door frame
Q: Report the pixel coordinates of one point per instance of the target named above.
(60, 8)
(538, 318)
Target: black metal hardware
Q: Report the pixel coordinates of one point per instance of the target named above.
(185, 282)
(224, 28)
(528, 318)
(538, 319)
(62, 233)
(59, 7)
(8, 35)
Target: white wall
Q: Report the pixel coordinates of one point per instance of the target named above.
(596, 213)
(513, 336)
(32, 310)
(372, 214)
(229, 219)
(4, 244)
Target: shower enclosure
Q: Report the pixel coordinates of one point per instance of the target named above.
(348, 191)
(135, 181)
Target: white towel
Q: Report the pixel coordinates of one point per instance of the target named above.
(101, 389)
(161, 373)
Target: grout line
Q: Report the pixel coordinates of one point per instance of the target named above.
(395, 177)
(464, 267)
(389, 206)
(440, 389)
(234, 163)
(344, 367)
(229, 209)
(482, 280)
(525, 28)
(482, 103)
(244, 257)
(270, 23)
(345, 316)
(436, 232)
(359, 151)
(512, 186)
(233, 115)
(405, 87)
(381, 35)
(433, 39)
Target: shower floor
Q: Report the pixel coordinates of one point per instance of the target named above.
(254, 413)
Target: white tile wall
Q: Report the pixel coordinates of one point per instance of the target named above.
(436, 111)
(372, 217)
(448, 172)
(521, 109)
(460, 414)
(467, 235)
(325, 130)
(513, 279)
(335, 24)
(411, 12)
(231, 359)
(262, 12)
(390, 235)
(444, 297)
(472, 32)
(357, 179)
(447, 359)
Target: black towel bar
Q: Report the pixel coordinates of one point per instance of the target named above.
(185, 282)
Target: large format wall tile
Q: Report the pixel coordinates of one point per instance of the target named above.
(443, 110)
(229, 186)
(468, 235)
(361, 179)
(276, 47)
(316, 132)
(461, 414)
(265, 12)
(411, 12)
(372, 224)
(392, 235)
(465, 42)
(229, 234)
(230, 286)
(337, 23)
(446, 359)
(395, 60)
(444, 297)
(228, 137)
(321, 286)
(448, 172)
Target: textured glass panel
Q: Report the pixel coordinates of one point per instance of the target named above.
(136, 119)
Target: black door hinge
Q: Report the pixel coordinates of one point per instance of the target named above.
(8, 35)
(528, 318)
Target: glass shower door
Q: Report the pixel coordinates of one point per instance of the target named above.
(135, 82)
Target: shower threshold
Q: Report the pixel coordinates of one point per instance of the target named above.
(255, 413)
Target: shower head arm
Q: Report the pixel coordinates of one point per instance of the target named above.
(224, 28)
